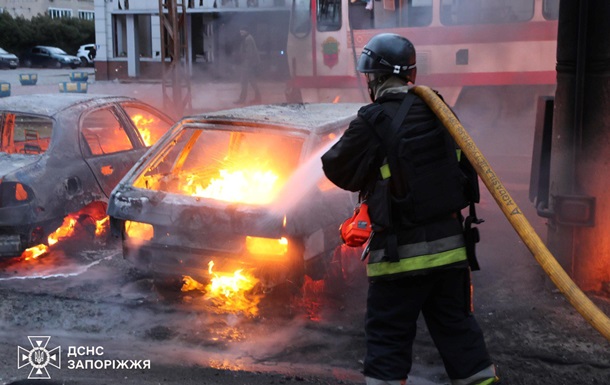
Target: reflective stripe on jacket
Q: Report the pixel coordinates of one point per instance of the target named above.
(418, 257)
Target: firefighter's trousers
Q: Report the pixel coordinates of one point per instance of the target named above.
(443, 297)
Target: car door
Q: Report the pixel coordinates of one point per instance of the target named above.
(45, 57)
(109, 144)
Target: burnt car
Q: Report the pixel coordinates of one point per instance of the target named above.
(51, 57)
(241, 188)
(62, 154)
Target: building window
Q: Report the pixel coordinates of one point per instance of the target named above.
(56, 13)
(86, 15)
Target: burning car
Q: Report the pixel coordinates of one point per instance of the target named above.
(61, 155)
(242, 189)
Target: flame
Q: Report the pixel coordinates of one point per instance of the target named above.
(66, 230)
(142, 126)
(230, 292)
(34, 252)
(244, 183)
(101, 226)
(336, 99)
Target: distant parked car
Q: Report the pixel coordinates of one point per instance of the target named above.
(8, 59)
(242, 188)
(51, 57)
(86, 53)
(63, 154)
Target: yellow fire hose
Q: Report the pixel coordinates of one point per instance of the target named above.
(524, 229)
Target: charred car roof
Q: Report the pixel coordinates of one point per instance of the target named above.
(315, 117)
(43, 104)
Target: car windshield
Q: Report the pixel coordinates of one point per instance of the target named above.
(2, 51)
(58, 51)
(233, 166)
(24, 134)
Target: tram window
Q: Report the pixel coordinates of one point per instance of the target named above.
(391, 14)
(458, 12)
(328, 15)
(359, 16)
(300, 18)
(550, 9)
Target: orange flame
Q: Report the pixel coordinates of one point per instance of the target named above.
(243, 183)
(336, 99)
(142, 123)
(64, 231)
(34, 252)
(101, 226)
(230, 292)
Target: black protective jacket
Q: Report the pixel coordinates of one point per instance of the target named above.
(353, 164)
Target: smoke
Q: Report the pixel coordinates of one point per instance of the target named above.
(308, 176)
(103, 302)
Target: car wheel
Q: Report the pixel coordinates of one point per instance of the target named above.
(27, 63)
(84, 62)
(57, 64)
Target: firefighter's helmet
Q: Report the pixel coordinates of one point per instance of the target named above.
(388, 53)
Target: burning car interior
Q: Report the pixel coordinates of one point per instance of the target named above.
(231, 166)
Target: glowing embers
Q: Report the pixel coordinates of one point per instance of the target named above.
(230, 292)
(267, 246)
(75, 225)
(246, 183)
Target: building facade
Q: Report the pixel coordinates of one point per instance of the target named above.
(128, 35)
(27, 9)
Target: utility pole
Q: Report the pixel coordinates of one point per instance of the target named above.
(175, 57)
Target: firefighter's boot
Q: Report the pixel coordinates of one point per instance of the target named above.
(486, 376)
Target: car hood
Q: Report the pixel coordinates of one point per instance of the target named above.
(10, 163)
(7, 56)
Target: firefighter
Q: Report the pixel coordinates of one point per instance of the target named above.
(417, 260)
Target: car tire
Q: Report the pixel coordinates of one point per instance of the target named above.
(57, 65)
(27, 63)
(84, 62)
